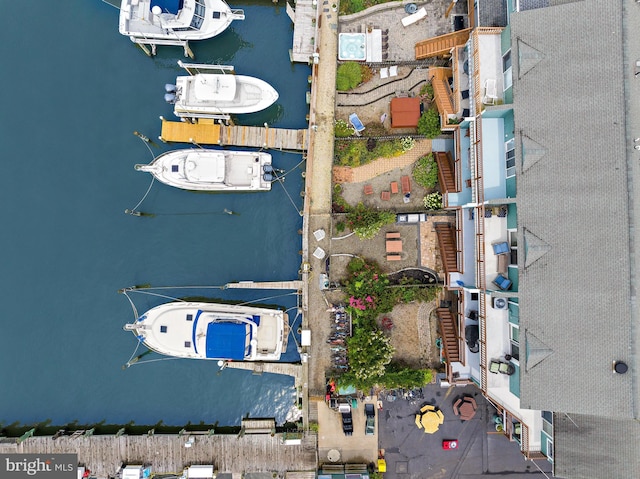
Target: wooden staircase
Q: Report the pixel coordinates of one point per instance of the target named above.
(443, 98)
(447, 244)
(450, 342)
(441, 45)
(446, 174)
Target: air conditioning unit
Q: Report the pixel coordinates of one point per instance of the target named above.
(500, 303)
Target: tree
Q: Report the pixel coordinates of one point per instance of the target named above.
(369, 352)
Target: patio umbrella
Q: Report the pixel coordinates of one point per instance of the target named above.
(429, 419)
(465, 408)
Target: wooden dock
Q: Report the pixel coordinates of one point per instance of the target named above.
(207, 132)
(295, 285)
(232, 453)
(288, 369)
(305, 32)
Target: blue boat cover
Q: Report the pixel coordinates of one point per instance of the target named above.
(168, 6)
(226, 340)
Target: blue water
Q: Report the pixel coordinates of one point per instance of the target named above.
(74, 92)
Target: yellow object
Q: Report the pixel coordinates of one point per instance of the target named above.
(382, 465)
(418, 421)
(426, 408)
(431, 421)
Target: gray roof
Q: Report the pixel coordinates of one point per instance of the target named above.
(615, 453)
(492, 13)
(578, 311)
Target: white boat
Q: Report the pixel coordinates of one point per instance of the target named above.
(217, 95)
(174, 22)
(213, 331)
(200, 169)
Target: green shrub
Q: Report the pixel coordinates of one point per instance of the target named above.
(427, 90)
(356, 152)
(433, 201)
(425, 172)
(429, 123)
(340, 226)
(366, 222)
(407, 143)
(342, 129)
(349, 76)
(338, 203)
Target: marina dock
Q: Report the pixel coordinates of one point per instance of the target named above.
(255, 450)
(207, 132)
(295, 285)
(288, 369)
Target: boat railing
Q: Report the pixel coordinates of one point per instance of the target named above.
(237, 14)
(194, 68)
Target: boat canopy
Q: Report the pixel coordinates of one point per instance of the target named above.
(167, 6)
(211, 170)
(214, 87)
(226, 340)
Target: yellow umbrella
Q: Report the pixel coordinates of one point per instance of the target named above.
(431, 420)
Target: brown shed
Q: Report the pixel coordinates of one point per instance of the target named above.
(405, 112)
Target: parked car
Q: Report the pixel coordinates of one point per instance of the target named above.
(370, 426)
(347, 419)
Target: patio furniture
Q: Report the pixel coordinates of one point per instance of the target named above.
(501, 248)
(430, 419)
(393, 234)
(319, 253)
(405, 181)
(393, 71)
(356, 123)
(507, 368)
(394, 187)
(394, 257)
(427, 407)
(502, 282)
(503, 264)
(319, 234)
(367, 190)
(384, 73)
(414, 17)
(494, 367)
(490, 92)
(465, 408)
(385, 196)
(394, 245)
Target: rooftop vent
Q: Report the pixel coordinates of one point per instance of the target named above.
(620, 367)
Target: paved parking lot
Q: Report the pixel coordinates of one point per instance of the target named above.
(481, 452)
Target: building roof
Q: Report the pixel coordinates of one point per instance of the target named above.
(405, 112)
(492, 13)
(616, 446)
(577, 262)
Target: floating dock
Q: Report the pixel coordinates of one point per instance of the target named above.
(258, 368)
(207, 132)
(295, 285)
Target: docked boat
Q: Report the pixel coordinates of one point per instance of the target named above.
(174, 22)
(213, 331)
(216, 95)
(200, 169)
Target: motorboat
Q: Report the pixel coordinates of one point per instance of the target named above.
(206, 94)
(175, 22)
(226, 332)
(200, 169)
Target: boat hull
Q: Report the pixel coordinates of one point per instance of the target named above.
(197, 96)
(213, 331)
(212, 170)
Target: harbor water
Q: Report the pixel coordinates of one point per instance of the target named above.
(75, 90)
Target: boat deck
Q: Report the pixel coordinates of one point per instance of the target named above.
(207, 132)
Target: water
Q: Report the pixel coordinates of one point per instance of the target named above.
(74, 92)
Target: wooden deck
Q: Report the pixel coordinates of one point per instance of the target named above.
(288, 369)
(304, 30)
(172, 453)
(206, 132)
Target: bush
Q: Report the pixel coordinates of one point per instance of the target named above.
(426, 171)
(427, 91)
(342, 129)
(429, 123)
(357, 152)
(339, 204)
(366, 222)
(349, 76)
(407, 143)
(433, 201)
(340, 226)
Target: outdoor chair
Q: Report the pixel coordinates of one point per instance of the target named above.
(319, 253)
(500, 248)
(494, 367)
(356, 123)
(319, 234)
(502, 282)
(384, 73)
(490, 92)
(393, 71)
(507, 368)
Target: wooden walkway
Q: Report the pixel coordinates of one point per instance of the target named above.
(103, 455)
(295, 285)
(294, 370)
(304, 30)
(206, 132)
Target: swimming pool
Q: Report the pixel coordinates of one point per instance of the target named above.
(352, 46)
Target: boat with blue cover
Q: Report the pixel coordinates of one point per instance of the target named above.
(175, 22)
(227, 332)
